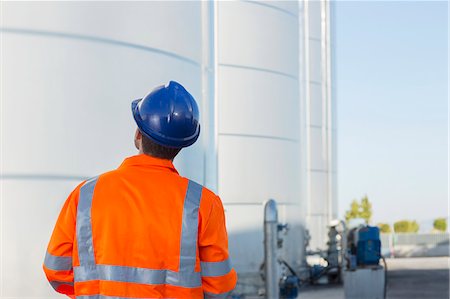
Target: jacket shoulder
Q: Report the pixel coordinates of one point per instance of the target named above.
(210, 200)
(109, 175)
(209, 194)
(206, 192)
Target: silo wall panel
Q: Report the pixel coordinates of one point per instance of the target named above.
(76, 119)
(319, 194)
(258, 104)
(257, 36)
(253, 170)
(29, 211)
(315, 65)
(317, 225)
(318, 159)
(316, 105)
(289, 6)
(244, 224)
(314, 11)
(138, 23)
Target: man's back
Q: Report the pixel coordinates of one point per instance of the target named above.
(142, 231)
(148, 233)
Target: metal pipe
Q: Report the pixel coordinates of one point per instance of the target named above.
(208, 103)
(330, 117)
(326, 103)
(343, 260)
(323, 81)
(270, 249)
(307, 70)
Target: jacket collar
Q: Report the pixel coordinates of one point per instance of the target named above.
(148, 161)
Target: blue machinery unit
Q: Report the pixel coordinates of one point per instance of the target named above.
(364, 246)
(364, 277)
(368, 248)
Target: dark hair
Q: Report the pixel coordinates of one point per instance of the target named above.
(156, 150)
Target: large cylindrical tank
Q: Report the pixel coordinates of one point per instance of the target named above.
(258, 124)
(70, 70)
(320, 122)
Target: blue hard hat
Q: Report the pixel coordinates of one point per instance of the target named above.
(168, 115)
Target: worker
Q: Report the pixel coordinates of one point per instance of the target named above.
(142, 230)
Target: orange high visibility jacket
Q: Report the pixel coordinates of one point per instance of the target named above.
(141, 231)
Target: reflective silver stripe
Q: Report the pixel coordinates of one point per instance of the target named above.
(137, 275)
(58, 263)
(121, 273)
(212, 269)
(215, 296)
(56, 283)
(189, 231)
(84, 225)
(186, 277)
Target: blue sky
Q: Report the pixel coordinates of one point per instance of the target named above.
(391, 87)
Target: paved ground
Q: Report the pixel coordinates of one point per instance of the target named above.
(408, 278)
(418, 278)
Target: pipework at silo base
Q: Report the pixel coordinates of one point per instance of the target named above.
(353, 257)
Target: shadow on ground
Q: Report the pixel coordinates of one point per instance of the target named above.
(420, 284)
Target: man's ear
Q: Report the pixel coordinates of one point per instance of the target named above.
(138, 139)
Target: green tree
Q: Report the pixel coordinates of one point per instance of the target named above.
(406, 226)
(440, 224)
(353, 212)
(366, 209)
(384, 227)
(414, 227)
(362, 209)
